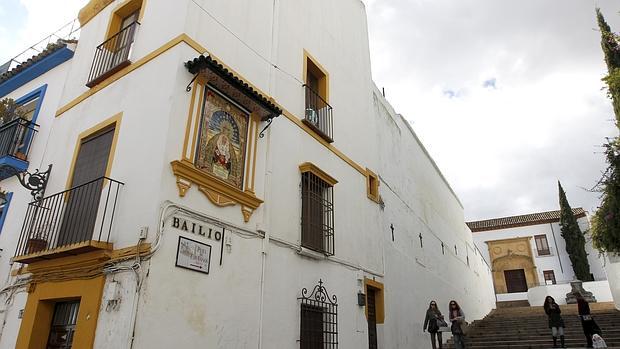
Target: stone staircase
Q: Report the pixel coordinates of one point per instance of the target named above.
(527, 328)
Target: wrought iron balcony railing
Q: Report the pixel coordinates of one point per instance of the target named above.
(113, 55)
(318, 114)
(79, 218)
(16, 137)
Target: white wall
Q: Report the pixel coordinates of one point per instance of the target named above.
(260, 276)
(419, 201)
(558, 261)
(612, 268)
(536, 296)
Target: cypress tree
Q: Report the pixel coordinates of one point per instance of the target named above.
(574, 238)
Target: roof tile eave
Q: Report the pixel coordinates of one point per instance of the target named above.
(520, 220)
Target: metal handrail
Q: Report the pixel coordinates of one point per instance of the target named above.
(17, 120)
(79, 214)
(16, 137)
(82, 185)
(318, 114)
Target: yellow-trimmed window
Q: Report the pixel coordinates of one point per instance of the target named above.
(317, 209)
(372, 186)
(318, 112)
(126, 13)
(114, 53)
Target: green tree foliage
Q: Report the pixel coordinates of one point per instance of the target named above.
(574, 238)
(606, 220)
(7, 110)
(611, 49)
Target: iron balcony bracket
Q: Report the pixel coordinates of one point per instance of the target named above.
(35, 182)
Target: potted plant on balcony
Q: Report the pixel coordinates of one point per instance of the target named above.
(8, 110)
(37, 241)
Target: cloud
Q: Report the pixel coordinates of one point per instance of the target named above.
(501, 148)
(490, 83)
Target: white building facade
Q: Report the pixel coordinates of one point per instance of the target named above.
(528, 256)
(226, 175)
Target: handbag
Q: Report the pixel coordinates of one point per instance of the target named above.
(464, 327)
(443, 326)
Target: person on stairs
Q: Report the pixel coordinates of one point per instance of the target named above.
(432, 321)
(556, 323)
(457, 317)
(587, 322)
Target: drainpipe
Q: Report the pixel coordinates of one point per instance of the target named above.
(262, 290)
(557, 251)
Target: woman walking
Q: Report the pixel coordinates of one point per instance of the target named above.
(457, 317)
(431, 322)
(587, 322)
(556, 323)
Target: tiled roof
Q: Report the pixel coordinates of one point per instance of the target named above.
(51, 48)
(520, 221)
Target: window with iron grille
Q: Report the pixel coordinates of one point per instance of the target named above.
(542, 245)
(317, 213)
(63, 325)
(319, 319)
(549, 277)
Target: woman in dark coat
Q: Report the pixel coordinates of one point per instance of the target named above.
(587, 323)
(556, 323)
(431, 322)
(457, 317)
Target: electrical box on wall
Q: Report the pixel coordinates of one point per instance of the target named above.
(361, 299)
(144, 233)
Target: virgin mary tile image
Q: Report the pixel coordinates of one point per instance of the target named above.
(222, 139)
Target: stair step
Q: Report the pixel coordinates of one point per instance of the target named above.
(527, 328)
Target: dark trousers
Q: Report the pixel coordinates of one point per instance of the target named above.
(439, 339)
(459, 341)
(588, 330)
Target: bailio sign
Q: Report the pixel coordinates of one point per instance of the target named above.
(206, 230)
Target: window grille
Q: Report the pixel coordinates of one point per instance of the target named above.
(317, 214)
(319, 319)
(63, 325)
(549, 277)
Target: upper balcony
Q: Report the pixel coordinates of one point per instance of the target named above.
(15, 139)
(77, 220)
(318, 114)
(112, 55)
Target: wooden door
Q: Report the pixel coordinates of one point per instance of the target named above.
(515, 280)
(371, 294)
(82, 202)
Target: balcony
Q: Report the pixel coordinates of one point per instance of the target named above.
(318, 115)
(15, 139)
(74, 221)
(113, 55)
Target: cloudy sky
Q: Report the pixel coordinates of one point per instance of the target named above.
(505, 94)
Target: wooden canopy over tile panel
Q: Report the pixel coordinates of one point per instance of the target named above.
(224, 80)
